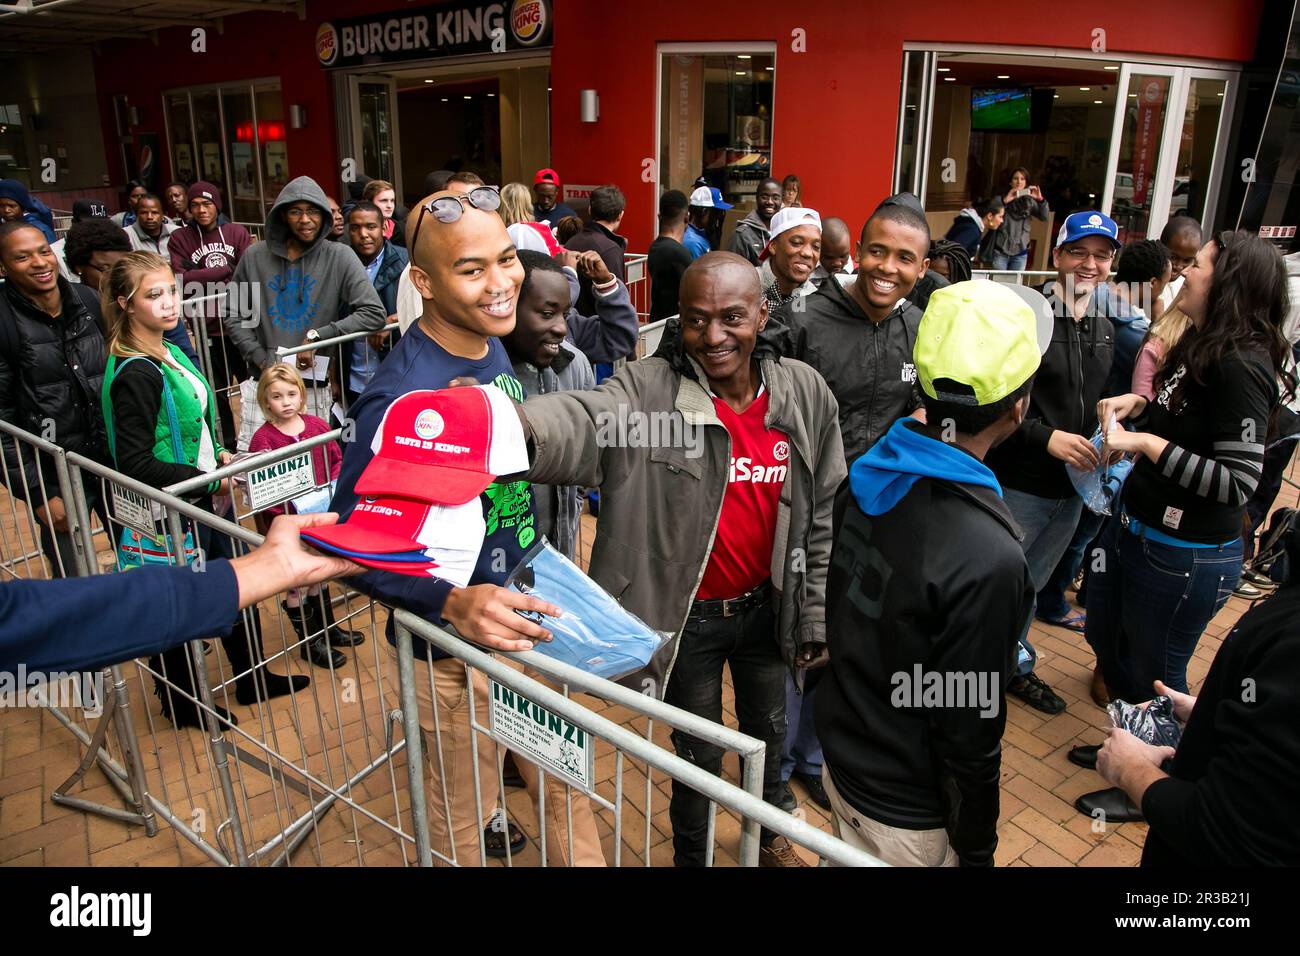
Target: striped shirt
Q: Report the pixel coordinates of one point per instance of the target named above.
(1216, 431)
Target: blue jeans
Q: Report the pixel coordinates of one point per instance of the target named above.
(1048, 525)
(1015, 263)
(1148, 605)
(802, 751)
(1051, 596)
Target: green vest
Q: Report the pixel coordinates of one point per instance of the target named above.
(181, 444)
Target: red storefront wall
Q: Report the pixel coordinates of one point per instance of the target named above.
(836, 109)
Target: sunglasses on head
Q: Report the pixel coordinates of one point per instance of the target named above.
(451, 208)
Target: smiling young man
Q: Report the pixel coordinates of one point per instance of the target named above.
(860, 336)
(52, 357)
(468, 274)
(792, 253)
(544, 362)
(752, 232)
(716, 503)
(1031, 464)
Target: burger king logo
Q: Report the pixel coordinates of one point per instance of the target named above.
(428, 424)
(1094, 220)
(528, 20)
(327, 44)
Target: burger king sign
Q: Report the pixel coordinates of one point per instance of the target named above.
(528, 20)
(327, 44)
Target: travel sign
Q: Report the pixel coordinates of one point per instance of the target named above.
(423, 33)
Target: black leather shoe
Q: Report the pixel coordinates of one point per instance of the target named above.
(1113, 804)
(813, 784)
(1085, 756)
(788, 802)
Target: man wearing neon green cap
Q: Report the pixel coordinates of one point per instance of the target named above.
(930, 594)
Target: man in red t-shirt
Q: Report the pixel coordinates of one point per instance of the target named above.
(722, 540)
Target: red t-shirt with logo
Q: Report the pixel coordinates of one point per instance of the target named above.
(742, 549)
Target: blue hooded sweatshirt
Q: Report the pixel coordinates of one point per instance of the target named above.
(35, 212)
(882, 477)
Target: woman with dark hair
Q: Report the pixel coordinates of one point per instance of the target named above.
(1009, 248)
(1175, 553)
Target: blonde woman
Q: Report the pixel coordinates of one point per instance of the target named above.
(159, 418)
(382, 193)
(517, 213)
(1164, 335)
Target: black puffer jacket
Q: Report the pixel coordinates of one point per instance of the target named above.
(51, 370)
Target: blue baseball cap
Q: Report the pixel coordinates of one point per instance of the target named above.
(1080, 225)
(718, 201)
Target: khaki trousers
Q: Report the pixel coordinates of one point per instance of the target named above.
(455, 772)
(893, 845)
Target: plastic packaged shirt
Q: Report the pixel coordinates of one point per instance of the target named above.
(1154, 724)
(595, 633)
(1100, 487)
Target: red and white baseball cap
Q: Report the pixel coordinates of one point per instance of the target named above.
(546, 176)
(791, 217)
(390, 524)
(445, 446)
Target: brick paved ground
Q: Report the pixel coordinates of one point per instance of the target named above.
(330, 731)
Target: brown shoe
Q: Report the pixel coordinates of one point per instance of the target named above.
(779, 853)
(1097, 690)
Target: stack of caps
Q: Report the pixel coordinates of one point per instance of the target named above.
(435, 452)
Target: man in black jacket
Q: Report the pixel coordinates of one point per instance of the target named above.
(1031, 464)
(1231, 795)
(928, 592)
(52, 357)
(601, 236)
(860, 336)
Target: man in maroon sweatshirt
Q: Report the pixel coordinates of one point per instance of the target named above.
(204, 255)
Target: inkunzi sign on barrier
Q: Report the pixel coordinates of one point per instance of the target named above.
(277, 483)
(422, 33)
(564, 749)
(136, 511)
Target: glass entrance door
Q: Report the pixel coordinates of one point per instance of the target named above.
(1135, 152)
(375, 133)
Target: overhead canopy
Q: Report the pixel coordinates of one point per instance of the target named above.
(60, 23)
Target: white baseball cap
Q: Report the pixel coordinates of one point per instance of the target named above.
(791, 217)
(702, 196)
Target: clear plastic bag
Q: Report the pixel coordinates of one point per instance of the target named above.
(595, 633)
(1099, 487)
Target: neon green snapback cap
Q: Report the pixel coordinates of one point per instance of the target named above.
(986, 336)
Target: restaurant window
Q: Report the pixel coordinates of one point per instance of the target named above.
(233, 136)
(716, 120)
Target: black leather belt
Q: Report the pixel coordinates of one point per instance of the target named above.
(730, 607)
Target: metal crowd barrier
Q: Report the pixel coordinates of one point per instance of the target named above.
(1030, 277)
(636, 266)
(312, 776)
(322, 396)
(601, 772)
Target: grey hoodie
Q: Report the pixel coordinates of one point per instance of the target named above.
(750, 237)
(293, 297)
